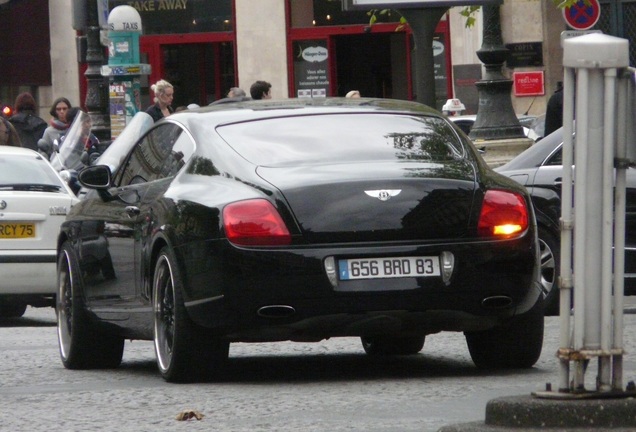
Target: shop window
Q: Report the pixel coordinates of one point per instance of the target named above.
(315, 13)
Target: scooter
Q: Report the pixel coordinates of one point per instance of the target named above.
(75, 150)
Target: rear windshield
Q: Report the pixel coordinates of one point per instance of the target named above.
(26, 170)
(343, 137)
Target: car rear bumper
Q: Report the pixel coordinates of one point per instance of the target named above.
(28, 272)
(286, 294)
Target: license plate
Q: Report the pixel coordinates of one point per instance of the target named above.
(12, 230)
(390, 267)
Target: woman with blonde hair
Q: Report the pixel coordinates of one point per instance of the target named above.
(164, 93)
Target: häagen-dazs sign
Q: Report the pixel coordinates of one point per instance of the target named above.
(311, 69)
(315, 54)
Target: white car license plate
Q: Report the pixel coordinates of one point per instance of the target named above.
(390, 267)
(12, 230)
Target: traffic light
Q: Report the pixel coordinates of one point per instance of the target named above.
(7, 111)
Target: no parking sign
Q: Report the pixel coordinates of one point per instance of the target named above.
(582, 16)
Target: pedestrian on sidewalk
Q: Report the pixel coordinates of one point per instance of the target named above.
(8, 134)
(554, 111)
(30, 127)
(58, 125)
(261, 90)
(164, 93)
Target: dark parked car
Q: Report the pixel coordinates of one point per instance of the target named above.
(299, 220)
(540, 170)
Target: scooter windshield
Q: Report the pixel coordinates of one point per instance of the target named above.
(72, 150)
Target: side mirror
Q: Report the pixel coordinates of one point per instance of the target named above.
(95, 177)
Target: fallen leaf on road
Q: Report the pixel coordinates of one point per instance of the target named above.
(189, 414)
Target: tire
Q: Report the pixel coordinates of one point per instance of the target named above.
(184, 352)
(81, 345)
(550, 267)
(516, 344)
(391, 345)
(12, 309)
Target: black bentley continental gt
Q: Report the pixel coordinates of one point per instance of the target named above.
(298, 220)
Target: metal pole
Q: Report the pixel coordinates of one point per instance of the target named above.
(565, 279)
(580, 226)
(96, 85)
(605, 369)
(600, 131)
(423, 23)
(625, 105)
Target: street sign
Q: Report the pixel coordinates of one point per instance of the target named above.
(582, 16)
(567, 34)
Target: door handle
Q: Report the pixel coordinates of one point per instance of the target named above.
(132, 211)
(558, 181)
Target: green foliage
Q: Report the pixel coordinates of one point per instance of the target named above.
(568, 3)
(374, 13)
(468, 13)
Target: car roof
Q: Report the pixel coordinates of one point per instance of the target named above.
(534, 155)
(10, 150)
(251, 109)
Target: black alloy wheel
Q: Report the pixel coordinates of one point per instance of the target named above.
(516, 344)
(550, 268)
(185, 352)
(81, 345)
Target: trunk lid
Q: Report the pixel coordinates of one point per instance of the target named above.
(379, 201)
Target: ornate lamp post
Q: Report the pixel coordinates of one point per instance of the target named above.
(496, 118)
(97, 86)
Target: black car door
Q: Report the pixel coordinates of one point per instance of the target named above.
(126, 219)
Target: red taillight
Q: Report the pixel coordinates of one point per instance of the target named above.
(254, 223)
(503, 214)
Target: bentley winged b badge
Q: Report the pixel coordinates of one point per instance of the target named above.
(383, 194)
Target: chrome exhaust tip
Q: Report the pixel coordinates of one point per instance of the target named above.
(276, 311)
(496, 302)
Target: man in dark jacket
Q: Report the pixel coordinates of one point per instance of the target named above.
(29, 126)
(554, 111)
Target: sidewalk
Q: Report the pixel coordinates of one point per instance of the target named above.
(527, 413)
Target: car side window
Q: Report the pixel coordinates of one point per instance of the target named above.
(160, 154)
(556, 158)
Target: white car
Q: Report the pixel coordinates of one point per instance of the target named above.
(34, 201)
(533, 126)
